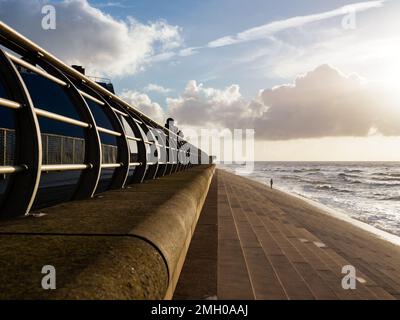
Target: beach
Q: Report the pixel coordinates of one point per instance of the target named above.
(273, 245)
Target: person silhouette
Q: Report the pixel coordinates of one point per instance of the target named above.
(271, 182)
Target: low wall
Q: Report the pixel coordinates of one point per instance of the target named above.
(124, 244)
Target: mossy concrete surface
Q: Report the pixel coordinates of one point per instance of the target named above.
(125, 244)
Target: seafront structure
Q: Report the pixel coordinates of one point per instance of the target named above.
(59, 120)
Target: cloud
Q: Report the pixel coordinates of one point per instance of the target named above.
(210, 107)
(111, 4)
(152, 87)
(263, 31)
(87, 36)
(143, 102)
(322, 103)
(188, 51)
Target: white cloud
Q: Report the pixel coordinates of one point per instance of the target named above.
(87, 36)
(262, 32)
(210, 107)
(322, 103)
(152, 87)
(143, 102)
(188, 51)
(111, 4)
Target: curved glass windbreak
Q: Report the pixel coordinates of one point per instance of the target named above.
(101, 118)
(63, 132)
(56, 187)
(133, 148)
(48, 95)
(145, 139)
(62, 143)
(109, 144)
(105, 180)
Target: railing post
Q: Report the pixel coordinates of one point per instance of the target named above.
(140, 171)
(151, 171)
(121, 173)
(22, 187)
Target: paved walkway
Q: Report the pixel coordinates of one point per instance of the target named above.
(273, 246)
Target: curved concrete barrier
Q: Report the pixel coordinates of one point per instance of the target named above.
(125, 244)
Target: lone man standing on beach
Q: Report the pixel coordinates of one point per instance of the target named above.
(271, 182)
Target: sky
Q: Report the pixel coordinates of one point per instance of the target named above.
(316, 80)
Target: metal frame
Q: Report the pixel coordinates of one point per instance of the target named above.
(24, 181)
(122, 166)
(152, 167)
(89, 179)
(25, 174)
(140, 171)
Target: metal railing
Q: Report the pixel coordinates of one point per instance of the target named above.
(144, 149)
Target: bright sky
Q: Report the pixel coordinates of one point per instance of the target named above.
(371, 49)
(214, 63)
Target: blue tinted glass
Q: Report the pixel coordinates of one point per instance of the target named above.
(56, 187)
(61, 128)
(99, 115)
(7, 118)
(3, 91)
(105, 180)
(108, 139)
(6, 115)
(49, 96)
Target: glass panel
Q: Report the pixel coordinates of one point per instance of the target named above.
(133, 149)
(62, 143)
(56, 187)
(99, 115)
(48, 95)
(105, 180)
(130, 174)
(3, 91)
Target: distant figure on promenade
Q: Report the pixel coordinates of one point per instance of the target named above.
(271, 182)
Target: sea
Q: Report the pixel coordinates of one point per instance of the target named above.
(366, 191)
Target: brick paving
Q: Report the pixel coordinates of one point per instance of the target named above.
(273, 246)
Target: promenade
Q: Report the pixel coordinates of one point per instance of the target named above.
(275, 246)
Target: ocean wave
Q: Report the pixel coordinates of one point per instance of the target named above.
(290, 177)
(344, 175)
(390, 174)
(386, 178)
(391, 198)
(331, 188)
(314, 173)
(306, 170)
(312, 182)
(351, 179)
(353, 170)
